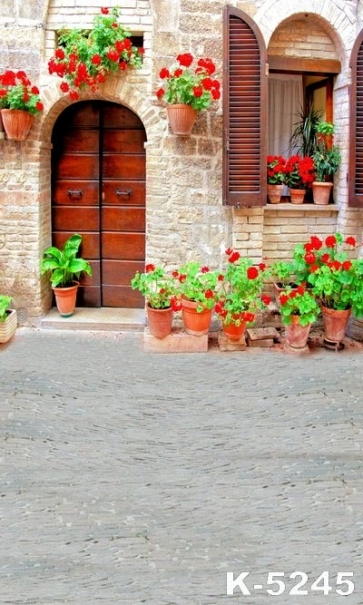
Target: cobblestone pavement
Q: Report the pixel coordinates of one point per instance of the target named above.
(135, 478)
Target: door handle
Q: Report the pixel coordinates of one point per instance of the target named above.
(75, 192)
(125, 192)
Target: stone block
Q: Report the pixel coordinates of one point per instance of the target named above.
(177, 342)
(262, 337)
(226, 344)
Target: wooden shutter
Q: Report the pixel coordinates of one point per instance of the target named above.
(245, 111)
(356, 126)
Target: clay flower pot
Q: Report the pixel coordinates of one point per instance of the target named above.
(196, 322)
(17, 123)
(297, 196)
(65, 299)
(274, 193)
(181, 118)
(335, 324)
(296, 336)
(159, 321)
(233, 331)
(321, 192)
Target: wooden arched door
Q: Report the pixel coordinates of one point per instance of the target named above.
(98, 190)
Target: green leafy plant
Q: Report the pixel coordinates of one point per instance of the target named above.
(5, 302)
(197, 283)
(326, 162)
(63, 265)
(17, 92)
(298, 302)
(194, 87)
(282, 273)
(299, 172)
(84, 58)
(157, 286)
(241, 290)
(303, 140)
(336, 279)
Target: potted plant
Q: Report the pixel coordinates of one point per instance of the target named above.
(158, 287)
(65, 269)
(19, 103)
(8, 319)
(240, 294)
(196, 290)
(299, 310)
(336, 281)
(299, 173)
(304, 137)
(327, 158)
(275, 177)
(187, 90)
(84, 58)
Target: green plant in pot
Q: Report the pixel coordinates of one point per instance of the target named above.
(327, 159)
(159, 289)
(64, 269)
(299, 309)
(8, 318)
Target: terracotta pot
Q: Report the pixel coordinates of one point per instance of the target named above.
(279, 288)
(65, 299)
(274, 193)
(321, 192)
(296, 336)
(8, 326)
(297, 196)
(159, 321)
(181, 118)
(233, 331)
(196, 322)
(17, 123)
(335, 323)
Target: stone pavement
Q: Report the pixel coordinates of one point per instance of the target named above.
(130, 478)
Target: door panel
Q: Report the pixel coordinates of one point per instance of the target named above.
(98, 190)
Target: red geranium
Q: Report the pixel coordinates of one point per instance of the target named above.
(299, 172)
(17, 92)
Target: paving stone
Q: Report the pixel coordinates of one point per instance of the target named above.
(177, 342)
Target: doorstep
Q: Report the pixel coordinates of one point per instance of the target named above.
(105, 318)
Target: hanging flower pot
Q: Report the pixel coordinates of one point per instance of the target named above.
(159, 321)
(17, 123)
(181, 118)
(196, 322)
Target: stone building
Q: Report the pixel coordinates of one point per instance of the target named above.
(190, 201)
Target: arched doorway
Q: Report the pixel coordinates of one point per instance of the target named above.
(98, 190)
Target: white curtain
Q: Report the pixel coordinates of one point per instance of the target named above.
(285, 103)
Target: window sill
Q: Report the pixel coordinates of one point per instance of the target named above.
(306, 207)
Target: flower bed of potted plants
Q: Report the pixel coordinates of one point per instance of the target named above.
(159, 289)
(240, 294)
(187, 90)
(64, 269)
(8, 319)
(84, 58)
(276, 177)
(299, 175)
(335, 278)
(299, 309)
(19, 103)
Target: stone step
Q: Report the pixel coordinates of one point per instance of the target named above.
(105, 318)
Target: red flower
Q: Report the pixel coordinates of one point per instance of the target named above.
(219, 307)
(104, 10)
(182, 278)
(209, 294)
(149, 268)
(234, 257)
(347, 265)
(160, 93)
(350, 241)
(39, 105)
(283, 299)
(177, 73)
(220, 277)
(262, 266)
(112, 55)
(247, 316)
(316, 242)
(310, 258)
(266, 299)
(175, 274)
(252, 272)
(164, 73)
(185, 60)
(175, 304)
(59, 54)
(293, 293)
(229, 251)
(216, 95)
(313, 268)
(300, 289)
(96, 59)
(205, 270)
(197, 91)
(325, 258)
(73, 95)
(330, 241)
